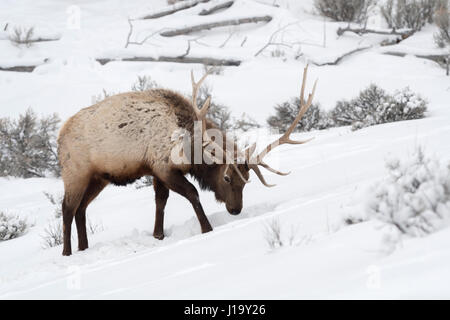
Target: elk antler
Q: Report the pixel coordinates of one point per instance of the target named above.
(201, 115)
(254, 162)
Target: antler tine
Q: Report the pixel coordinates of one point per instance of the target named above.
(285, 138)
(255, 168)
(267, 167)
(200, 113)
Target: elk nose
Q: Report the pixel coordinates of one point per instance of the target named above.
(235, 211)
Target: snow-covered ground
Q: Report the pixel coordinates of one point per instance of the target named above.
(330, 178)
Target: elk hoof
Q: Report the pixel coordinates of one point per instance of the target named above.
(207, 229)
(67, 252)
(159, 236)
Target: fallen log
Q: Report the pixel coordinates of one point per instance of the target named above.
(213, 9)
(359, 31)
(208, 26)
(179, 59)
(19, 68)
(441, 59)
(171, 10)
(339, 59)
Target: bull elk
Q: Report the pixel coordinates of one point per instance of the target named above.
(129, 135)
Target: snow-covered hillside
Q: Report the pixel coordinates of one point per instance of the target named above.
(331, 175)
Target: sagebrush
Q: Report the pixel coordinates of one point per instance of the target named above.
(415, 195)
(372, 106)
(22, 36)
(11, 226)
(28, 146)
(411, 14)
(344, 10)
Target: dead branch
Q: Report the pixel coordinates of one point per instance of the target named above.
(175, 8)
(227, 39)
(180, 59)
(360, 31)
(441, 59)
(188, 49)
(130, 32)
(212, 25)
(339, 59)
(272, 42)
(215, 8)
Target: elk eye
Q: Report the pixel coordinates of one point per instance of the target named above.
(227, 179)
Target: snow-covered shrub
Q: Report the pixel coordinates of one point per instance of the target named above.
(412, 14)
(415, 195)
(146, 181)
(442, 20)
(22, 36)
(11, 226)
(144, 83)
(314, 119)
(344, 10)
(28, 146)
(53, 235)
(375, 106)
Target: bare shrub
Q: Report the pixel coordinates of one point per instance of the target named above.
(22, 36)
(94, 227)
(144, 83)
(216, 70)
(412, 14)
(442, 20)
(11, 226)
(101, 96)
(219, 114)
(245, 123)
(28, 146)
(276, 236)
(56, 201)
(344, 10)
(314, 119)
(53, 235)
(414, 196)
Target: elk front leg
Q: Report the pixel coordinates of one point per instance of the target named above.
(161, 195)
(176, 182)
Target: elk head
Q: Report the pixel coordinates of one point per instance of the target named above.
(232, 176)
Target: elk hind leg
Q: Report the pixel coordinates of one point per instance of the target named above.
(72, 198)
(96, 185)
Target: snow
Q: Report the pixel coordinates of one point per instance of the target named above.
(330, 177)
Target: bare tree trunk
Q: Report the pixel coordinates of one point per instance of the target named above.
(220, 6)
(175, 8)
(208, 26)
